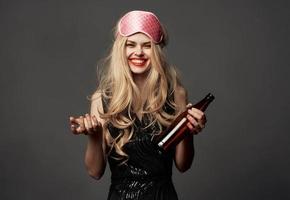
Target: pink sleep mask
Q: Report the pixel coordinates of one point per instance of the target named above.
(141, 21)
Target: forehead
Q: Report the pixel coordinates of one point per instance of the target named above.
(139, 38)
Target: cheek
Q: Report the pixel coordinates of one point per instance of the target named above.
(129, 52)
(148, 53)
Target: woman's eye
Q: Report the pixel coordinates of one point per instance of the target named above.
(147, 46)
(129, 45)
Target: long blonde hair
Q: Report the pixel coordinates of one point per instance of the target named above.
(116, 84)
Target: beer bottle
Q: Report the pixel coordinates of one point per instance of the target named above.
(178, 129)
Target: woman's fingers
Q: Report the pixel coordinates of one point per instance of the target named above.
(188, 105)
(193, 125)
(196, 113)
(95, 123)
(197, 120)
(203, 120)
(73, 129)
(81, 123)
(85, 125)
(74, 122)
(88, 124)
(73, 125)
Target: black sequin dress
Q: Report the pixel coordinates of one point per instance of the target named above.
(147, 173)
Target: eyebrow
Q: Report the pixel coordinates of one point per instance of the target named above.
(149, 42)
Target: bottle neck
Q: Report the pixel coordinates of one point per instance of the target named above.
(203, 104)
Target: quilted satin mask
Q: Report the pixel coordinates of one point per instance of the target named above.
(141, 21)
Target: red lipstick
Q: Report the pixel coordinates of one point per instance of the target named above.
(138, 62)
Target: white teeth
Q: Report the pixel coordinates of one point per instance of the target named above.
(138, 61)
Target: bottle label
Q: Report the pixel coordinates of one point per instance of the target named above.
(168, 136)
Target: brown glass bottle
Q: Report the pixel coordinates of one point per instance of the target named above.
(177, 130)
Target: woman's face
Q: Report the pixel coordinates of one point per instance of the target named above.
(138, 53)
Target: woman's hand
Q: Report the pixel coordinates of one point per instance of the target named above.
(196, 120)
(88, 125)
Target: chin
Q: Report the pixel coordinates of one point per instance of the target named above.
(139, 70)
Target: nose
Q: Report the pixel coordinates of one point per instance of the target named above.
(139, 51)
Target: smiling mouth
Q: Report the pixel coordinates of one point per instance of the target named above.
(138, 62)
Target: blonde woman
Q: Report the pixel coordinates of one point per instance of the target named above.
(138, 96)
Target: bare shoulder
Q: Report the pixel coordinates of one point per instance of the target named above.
(180, 92)
(180, 95)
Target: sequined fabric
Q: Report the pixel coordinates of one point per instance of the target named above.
(147, 173)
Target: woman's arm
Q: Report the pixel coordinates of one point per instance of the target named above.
(95, 156)
(184, 151)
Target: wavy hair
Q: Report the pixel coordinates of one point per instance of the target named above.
(116, 84)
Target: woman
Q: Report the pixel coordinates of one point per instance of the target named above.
(138, 96)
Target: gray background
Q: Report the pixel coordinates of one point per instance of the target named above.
(238, 50)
